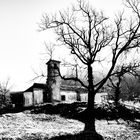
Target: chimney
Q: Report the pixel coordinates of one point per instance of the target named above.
(53, 80)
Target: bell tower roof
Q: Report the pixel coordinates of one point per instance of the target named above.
(52, 61)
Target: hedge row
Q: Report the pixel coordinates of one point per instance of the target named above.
(76, 111)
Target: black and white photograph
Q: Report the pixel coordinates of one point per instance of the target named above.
(69, 70)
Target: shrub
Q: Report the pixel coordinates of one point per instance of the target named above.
(77, 110)
(5, 103)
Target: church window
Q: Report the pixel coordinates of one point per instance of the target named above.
(63, 98)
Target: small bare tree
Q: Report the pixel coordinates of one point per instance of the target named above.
(130, 88)
(89, 36)
(119, 75)
(49, 52)
(50, 49)
(4, 94)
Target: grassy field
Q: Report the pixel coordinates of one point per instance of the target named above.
(27, 126)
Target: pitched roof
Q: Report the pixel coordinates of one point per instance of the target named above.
(52, 61)
(16, 92)
(36, 85)
(64, 87)
(73, 88)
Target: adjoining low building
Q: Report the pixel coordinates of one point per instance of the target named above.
(53, 91)
(34, 95)
(70, 93)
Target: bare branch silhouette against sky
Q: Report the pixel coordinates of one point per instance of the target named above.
(21, 44)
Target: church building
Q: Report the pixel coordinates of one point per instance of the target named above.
(55, 90)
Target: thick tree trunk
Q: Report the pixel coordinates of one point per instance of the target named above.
(90, 119)
(117, 93)
(89, 129)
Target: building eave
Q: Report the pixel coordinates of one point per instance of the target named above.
(36, 85)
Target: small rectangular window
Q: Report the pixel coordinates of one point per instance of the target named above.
(63, 97)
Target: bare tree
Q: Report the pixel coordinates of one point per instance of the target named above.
(49, 52)
(50, 49)
(119, 75)
(4, 94)
(130, 88)
(88, 35)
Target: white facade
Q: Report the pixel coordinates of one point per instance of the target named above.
(100, 97)
(38, 96)
(28, 100)
(33, 98)
(71, 96)
(84, 97)
(68, 96)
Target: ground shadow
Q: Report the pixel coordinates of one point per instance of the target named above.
(80, 136)
(135, 125)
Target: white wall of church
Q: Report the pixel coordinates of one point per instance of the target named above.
(28, 99)
(100, 97)
(38, 96)
(84, 97)
(68, 96)
(71, 96)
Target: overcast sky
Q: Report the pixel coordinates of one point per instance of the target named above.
(21, 45)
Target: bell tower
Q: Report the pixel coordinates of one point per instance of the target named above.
(53, 80)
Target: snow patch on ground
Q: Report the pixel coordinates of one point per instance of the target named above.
(30, 126)
(132, 103)
(20, 125)
(115, 131)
